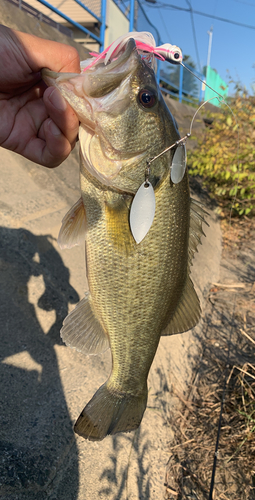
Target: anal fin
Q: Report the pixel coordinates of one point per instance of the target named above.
(73, 229)
(187, 313)
(83, 331)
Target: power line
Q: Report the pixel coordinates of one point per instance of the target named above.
(246, 3)
(165, 27)
(211, 16)
(194, 34)
(164, 24)
(215, 7)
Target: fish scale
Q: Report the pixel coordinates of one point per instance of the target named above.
(137, 292)
(146, 268)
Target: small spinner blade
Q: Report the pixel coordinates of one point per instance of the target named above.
(178, 164)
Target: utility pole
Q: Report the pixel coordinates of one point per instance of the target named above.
(210, 33)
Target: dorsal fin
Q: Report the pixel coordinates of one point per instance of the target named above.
(188, 311)
(197, 218)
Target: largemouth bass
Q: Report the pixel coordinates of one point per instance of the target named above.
(137, 291)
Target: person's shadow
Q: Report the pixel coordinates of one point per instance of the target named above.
(38, 455)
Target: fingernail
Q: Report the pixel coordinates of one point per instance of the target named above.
(57, 100)
(54, 129)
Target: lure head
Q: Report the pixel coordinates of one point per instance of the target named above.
(124, 120)
(171, 53)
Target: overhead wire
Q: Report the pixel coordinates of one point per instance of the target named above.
(245, 3)
(211, 16)
(164, 24)
(215, 7)
(194, 34)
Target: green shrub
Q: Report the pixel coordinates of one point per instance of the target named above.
(226, 160)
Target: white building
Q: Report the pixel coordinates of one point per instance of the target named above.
(116, 22)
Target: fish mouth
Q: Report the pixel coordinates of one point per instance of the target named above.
(101, 89)
(84, 90)
(107, 92)
(103, 79)
(98, 80)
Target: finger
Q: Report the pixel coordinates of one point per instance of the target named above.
(50, 147)
(43, 53)
(61, 113)
(57, 147)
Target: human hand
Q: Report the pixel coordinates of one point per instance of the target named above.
(35, 121)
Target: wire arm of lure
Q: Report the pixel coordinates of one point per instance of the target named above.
(177, 143)
(147, 174)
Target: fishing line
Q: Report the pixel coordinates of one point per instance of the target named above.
(221, 100)
(218, 437)
(221, 408)
(202, 81)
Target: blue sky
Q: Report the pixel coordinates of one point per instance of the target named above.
(233, 47)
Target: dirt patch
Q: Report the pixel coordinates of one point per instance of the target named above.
(226, 371)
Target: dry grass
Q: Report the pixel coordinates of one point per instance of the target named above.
(227, 358)
(192, 454)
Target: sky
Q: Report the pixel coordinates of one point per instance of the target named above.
(233, 47)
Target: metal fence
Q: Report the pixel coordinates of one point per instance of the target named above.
(41, 17)
(178, 82)
(174, 79)
(100, 19)
(84, 22)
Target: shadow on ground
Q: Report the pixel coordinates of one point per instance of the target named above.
(37, 442)
(136, 445)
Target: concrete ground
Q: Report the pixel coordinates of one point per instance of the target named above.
(44, 384)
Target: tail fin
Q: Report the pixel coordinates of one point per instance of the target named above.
(109, 412)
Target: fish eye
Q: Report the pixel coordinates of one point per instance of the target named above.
(147, 98)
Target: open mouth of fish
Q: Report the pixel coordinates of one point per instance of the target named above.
(96, 94)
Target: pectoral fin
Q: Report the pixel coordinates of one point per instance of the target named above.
(187, 313)
(73, 229)
(82, 330)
